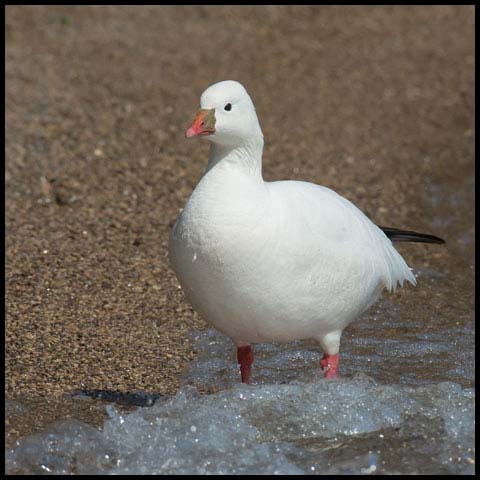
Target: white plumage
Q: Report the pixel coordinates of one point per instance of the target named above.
(273, 261)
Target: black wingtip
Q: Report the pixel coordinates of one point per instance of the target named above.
(397, 235)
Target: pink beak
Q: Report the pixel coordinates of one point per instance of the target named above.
(204, 124)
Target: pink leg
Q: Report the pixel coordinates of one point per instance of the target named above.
(329, 365)
(245, 359)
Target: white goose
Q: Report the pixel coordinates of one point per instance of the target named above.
(275, 261)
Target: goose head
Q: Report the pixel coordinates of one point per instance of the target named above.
(227, 116)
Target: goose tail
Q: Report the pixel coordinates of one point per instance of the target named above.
(398, 235)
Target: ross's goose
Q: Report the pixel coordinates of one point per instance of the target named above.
(275, 261)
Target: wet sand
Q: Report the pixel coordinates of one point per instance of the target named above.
(374, 102)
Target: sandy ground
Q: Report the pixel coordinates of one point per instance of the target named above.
(375, 102)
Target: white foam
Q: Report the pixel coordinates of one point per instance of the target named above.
(262, 429)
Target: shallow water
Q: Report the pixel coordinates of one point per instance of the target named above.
(289, 421)
(408, 355)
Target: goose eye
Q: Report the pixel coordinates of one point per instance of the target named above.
(228, 107)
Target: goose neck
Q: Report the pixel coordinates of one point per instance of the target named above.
(246, 159)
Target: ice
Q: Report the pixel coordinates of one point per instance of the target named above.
(291, 421)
